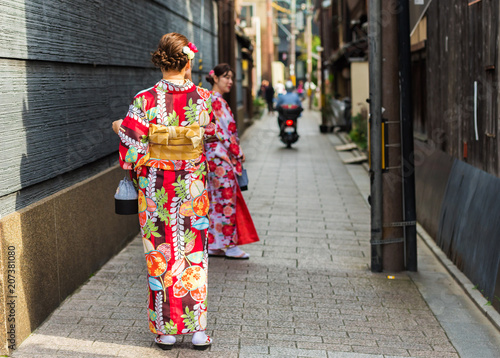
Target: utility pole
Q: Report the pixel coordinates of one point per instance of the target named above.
(393, 215)
(393, 235)
(320, 87)
(293, 9)
(376, 194)
(309, 40)
(269, 50)
(227, 43)
(258, 54)
(321, 73)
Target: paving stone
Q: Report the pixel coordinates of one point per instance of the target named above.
(280, 343)
(380, 350)
(324, 346)
(224, 348)
(285, 352)
(433, 354)
(134, 352)
(352, 355)
(253, 349)
(56, 329)
(321, 333)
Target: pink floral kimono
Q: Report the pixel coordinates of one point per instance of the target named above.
(230, 220)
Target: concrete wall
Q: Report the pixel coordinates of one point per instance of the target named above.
(68, 69)
(51, 247)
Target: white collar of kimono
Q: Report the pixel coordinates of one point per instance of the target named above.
(168, 86)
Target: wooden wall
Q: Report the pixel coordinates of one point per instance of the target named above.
(457, 169)
(68, 69)
(462, 47)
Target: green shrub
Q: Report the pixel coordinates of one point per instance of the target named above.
(358, 132)
(258, 107)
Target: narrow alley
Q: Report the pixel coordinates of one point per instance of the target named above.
(307, 289)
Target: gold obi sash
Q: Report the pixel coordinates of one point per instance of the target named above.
(175, 142)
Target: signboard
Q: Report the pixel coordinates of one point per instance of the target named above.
(299, 21)
(417, 11)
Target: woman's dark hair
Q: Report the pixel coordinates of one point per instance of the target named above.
(219, 70)
(169, 55)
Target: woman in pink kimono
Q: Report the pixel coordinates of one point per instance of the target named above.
(230, 221)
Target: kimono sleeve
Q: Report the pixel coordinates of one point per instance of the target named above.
(226, 131)
(133, 134)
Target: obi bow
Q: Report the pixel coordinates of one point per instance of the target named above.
(176, 135)
(173, 143)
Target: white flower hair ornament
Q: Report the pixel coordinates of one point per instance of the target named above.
(189, 50)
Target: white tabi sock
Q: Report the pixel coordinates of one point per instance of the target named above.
(235, 251)
(199, 337)
(166, 339)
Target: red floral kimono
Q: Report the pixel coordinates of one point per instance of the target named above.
(161, 139)
(230, 220)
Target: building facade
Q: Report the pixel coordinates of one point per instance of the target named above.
(455, 62)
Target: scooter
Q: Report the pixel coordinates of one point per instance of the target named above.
(288, 115)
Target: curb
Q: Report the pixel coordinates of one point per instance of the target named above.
(357, 152)
(459, 277)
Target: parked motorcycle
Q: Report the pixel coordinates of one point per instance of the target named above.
(341, 113)
(288, 115)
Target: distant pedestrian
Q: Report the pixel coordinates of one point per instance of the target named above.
(262, 90)
(269, 95)
(310, 88)
(280, 88)
(162, 142)
(300, 89)
(230, 222)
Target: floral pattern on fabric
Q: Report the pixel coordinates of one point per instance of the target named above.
(223, 130)
(222, 232)
(173, 207)
(224, 160)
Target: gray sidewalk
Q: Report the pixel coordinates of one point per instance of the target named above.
(307, 290)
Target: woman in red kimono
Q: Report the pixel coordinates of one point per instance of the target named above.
(162, 142)
(230, 222)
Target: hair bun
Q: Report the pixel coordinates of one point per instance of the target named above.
(219, 70)
(210, 78)
(169, 55)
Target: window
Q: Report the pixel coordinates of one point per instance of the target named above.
(246, 14)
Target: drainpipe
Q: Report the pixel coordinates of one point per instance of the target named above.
(407, 165)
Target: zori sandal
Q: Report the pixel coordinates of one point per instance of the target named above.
(201, 340)
(235, 253)
(165, 342)
(216, 253)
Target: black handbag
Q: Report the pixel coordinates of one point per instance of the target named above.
(243, 180)
(126, 202)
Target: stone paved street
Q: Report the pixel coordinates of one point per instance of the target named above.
(307, 290)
